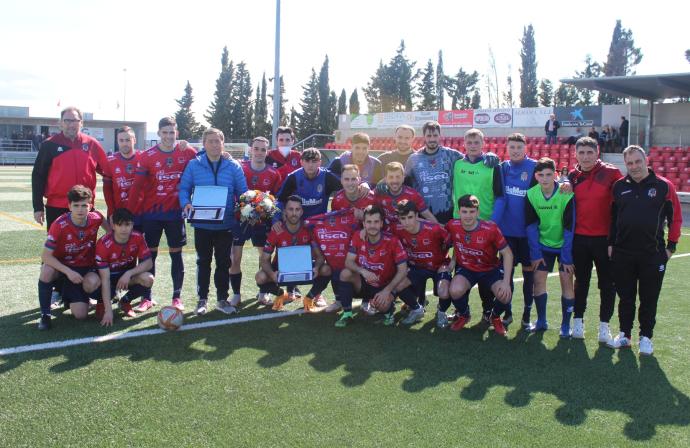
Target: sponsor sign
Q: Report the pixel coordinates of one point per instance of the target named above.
(531, 117)
(456, 118)
(493, 118)
(578, 116)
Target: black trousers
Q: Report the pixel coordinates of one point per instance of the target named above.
(207, 244)
(643, 273)
(53, 213)
(588, 251)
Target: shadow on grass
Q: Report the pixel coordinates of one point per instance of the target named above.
(582, 381)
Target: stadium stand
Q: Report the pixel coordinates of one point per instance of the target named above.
(672, 163)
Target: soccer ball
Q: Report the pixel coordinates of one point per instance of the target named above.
(170, 318)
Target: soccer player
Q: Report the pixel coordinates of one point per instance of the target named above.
(215, 238)
(121, 173)
(157, 179)
(332, 232)
(427, 245)
(592, 182)
(353, 195)
(123, 260)
(64, 160)
(376, 268)
(293, 233)
(263, 177)
(284, 159)
(404, 138)
(517, 177)
(477, 244)
(642, 201)
(69, 259)
(550, 219)
(395, 192)
(369, 167)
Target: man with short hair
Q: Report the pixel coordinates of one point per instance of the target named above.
(69, 259)
(123, 260)
(592, 182)
(262, 177)
(353, 195)
(156, 185)
(396, 191)
(477, 244)
(283, 158)
(376, 268)
(550, 219)
(404, 138)
(551, 129)
(369, 167)
(643, 203)
(427, 245)
(64, 160)
(623, 131)
(121, 172)
(292, 233)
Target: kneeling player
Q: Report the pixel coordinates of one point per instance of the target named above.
(375, 267)
(69, 260)
(117, 254)
(477, 245)
(427, 245)
(550, 219)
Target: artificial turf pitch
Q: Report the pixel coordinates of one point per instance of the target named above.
(298, 381)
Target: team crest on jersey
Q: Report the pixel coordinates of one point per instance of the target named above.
(432, 163)
(169, 162)
(413, 241)
(331, 220)
(468, 238)
(319, 188)
(294, 162)
(255, 179)
(524, 176)
(652, 193)
(85, 147)
(81, 234)
(129, 168)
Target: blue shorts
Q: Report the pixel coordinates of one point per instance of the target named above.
(175, 232)
(72, 292)
(484, 279)
(550, 261)
(243, 232)
(520, 249)
(419, 277)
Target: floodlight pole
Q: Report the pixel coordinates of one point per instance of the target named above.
(124, 96)
(276, 80)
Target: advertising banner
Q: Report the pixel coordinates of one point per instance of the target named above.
(578, 116)
(389, 120)
(456, 118)
(493, 118)
(531, 117)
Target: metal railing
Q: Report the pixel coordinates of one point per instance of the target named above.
(10, 144)
(315, 140)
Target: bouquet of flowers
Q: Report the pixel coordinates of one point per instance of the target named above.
(255, 207)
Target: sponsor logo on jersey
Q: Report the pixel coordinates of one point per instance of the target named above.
(324, 234)
(60, 149)
(435, 177)
(469, 251)
(516, 191)
(652, 193)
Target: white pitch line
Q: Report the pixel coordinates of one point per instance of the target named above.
(116, 336)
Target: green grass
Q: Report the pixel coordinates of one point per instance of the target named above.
(298, 381)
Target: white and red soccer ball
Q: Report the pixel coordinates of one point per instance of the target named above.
(170, 318)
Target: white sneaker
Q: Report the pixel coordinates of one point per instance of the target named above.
(264, 299)
(646, 346)
(236, 300)
(605, 334)
(333, 307)
(320, 301)
(621, 341)
(578, 329)
(367, 309)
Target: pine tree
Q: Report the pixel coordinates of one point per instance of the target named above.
(528, 70)
(283, 101)
(546, 93)
(687, 55)
(461, 88)
(187, 125)
(566, 96)
(592, 70)
(293, 119)
(241, 110)
(508, 96)
(342, 103)
(332, 113)
(621, 61)
(476, 100)
(427, 89)
(391, 89)
(374, 92)
(218, 113)
(354, 103)
(308, 120)
(325, 116)
(440, 82)
(262, 127)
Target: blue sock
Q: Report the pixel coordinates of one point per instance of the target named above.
(462, 304)
(540, 302)
(45, 290)
(567, 306)
(177, 273)
(528, 292)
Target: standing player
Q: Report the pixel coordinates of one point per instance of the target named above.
(158, 177)
(284, 158)
(477, 244)
(121, 172)
(427, 245)
(376, 267)
(263, 177)
(123, 260)
(332, 232)
(404, 138)
(293, 233)
(642, 201)
(69, 258)
(64, 160)
(517, 177)
(353, 195)
(395, 192)
(369, 167)
(550, 219)
(592, 182)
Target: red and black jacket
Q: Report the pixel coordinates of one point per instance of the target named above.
(593, 195)
(639, 213)
(63, 163)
